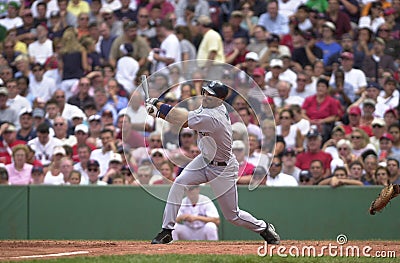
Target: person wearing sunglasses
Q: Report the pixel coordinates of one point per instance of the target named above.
(93, 172)
(275, 176)
(216, 164)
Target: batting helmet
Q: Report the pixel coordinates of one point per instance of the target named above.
(217, 89)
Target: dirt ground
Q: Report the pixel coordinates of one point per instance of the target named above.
(19, 250)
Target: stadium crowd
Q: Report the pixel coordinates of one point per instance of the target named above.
(326, 72)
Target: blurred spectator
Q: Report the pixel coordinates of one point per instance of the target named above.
(317, 172)
(321, 109)
(40, 86)
(354, 114)
(37, 175)
(200, 7)
(12, 19)
(356, 170)
(382, 176)
(27, 131)
(8, 133)
(258, 40)
(275, 176)
(378, 61)
(83, 155)
(301, 17)
(345, 155)
(114, 167)
(6, 112)
(197, 218)
(271, 142)
(338, 16)
(19, 172)
(299, 120)
(93, 171)
(394, 130)
(304, 159)
(77, 7)
(44, 144)
(66, 168)
(211, 45)
(104, 154)
(118, 179)
(378, 128)
(166, 7)
(54, 175)
(394, 171)
(4, 176)
(167, 172)
(144, 174)
(245, 169)
(287, 130)
(339, 178)
(255, 156)
(273, 50)
(141, 48)
(273, 21)
(360, 141)
(127, 69)
(83, 97)
(288, 163)
(16, 101)
(390, 93)
(304, 178)
(385, 148)
(303, 87)
(125, 13)
(372, 16)
(328, 43)
(143, 23)
(74, 178)
(370, 165)
(42, 48)
(307, 54)
(61, 131)
(330, 146)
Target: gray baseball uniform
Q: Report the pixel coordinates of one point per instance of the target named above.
(216, 165)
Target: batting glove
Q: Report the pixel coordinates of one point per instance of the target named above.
(151, 110)
(152, 101)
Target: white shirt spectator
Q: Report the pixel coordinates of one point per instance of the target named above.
(170, 48)
(44, 152)
(354, 77)
(126, 70)
(392, 101)
(281, 180)
(10, 23)
(43, 89)
(52, 5)
(18, 103)
(84, 175)
(303, 125)
(41, 51)
(103, 158)
(53, 179)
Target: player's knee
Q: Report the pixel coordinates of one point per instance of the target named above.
(210, 226)
(233, 219)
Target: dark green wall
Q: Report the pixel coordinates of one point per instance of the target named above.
(112, 212)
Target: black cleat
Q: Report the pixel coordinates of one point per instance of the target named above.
(270, 236)
(164, 237)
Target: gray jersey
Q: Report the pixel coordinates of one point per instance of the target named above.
(215, 132)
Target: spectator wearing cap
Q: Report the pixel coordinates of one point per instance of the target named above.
(38, 115)
(321, 109)
(12, 19)
(276, 177)
(116, 26)
(93, 171)
(378, 61)
(81, 135)
(368, 115)
(37, 175)
(378, 128)
(6, 112)
(53, 174)
(77, 7)
(275, 74)
(353, 76)
(27, 130)
(288, 163)
(328, 43)
(42, 48)
(44, 144)
(39, 85)
(114, 167)
(273, 50)
(391, 116)
(82, 98)
(314, 152)
(236, 19)
(348, 45)
(127, 68)
(390, 94)
(372, 92)
(169, 51)
(8, 135)
(273, 21)
(104, 154)
(394, 130)
(141, 48)
(307, 54)
(354, 114)
(211, 46)
(238, 54)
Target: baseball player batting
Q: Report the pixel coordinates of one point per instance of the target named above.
(216, 164)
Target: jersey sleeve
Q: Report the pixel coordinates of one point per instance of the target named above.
(200, 122)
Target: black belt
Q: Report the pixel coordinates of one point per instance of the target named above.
(215, 163)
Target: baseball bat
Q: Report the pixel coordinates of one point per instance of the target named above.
(145, 86)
